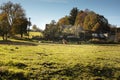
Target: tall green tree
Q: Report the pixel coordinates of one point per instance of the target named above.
(73, 15)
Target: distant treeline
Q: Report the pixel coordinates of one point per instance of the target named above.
(77, 23)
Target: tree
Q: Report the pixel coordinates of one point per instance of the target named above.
(104, 25)
(64, 21)
(20, 26)
(52, 31)
(96, 27)
(95, 22)
(4, 26)
(79, 22)
(80, 18)
(73, 15)
(35, 28)
(13, 12)
(90, 21)
(53, 22)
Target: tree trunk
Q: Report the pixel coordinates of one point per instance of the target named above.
(6, 36)
(3, 37)
(21, 35)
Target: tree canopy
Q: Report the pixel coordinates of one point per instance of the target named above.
(36, 28)
(73, 15)
(95, 22)
(19, 26)
(80, 18)
(4, 26)
(14, 17)
(52, 30)
(79, 21)
(13, 11)
(64, 21)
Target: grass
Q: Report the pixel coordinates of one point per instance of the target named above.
(33, 34)
(25, 36)
(60, 62)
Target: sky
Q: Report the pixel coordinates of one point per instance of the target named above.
(42, 12)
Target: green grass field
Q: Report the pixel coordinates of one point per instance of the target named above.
(59, 62)
(33, 34)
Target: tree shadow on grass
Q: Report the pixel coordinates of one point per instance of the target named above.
(81, 72)
(9, 75)
(17, 43)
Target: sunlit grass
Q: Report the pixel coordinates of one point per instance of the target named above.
(33, 34)
(58, 61)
